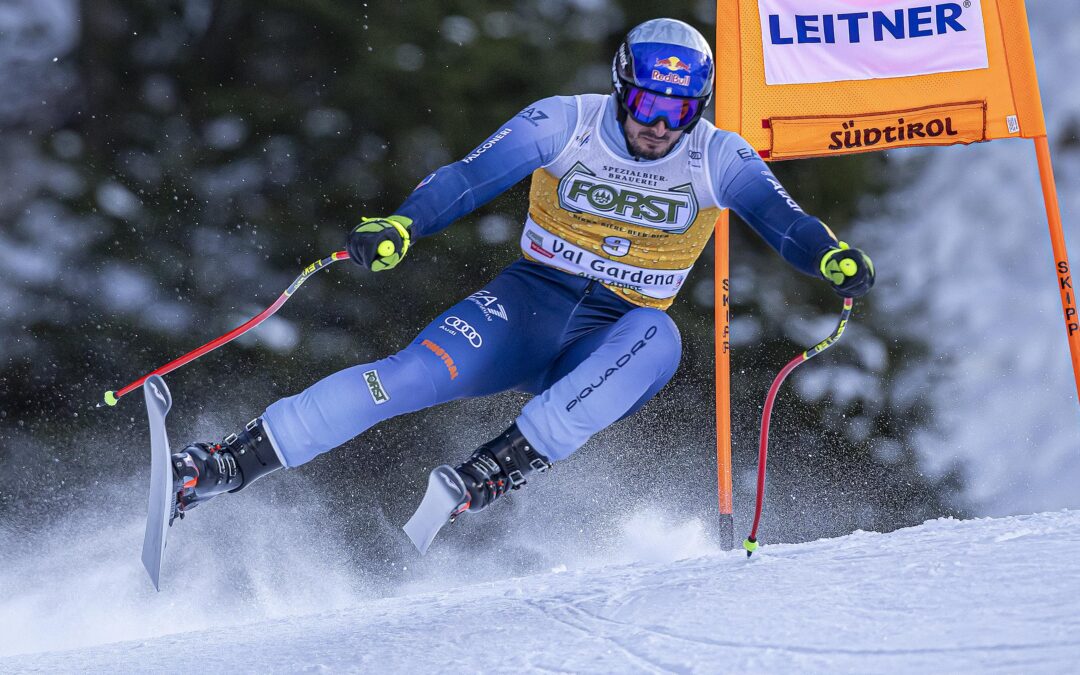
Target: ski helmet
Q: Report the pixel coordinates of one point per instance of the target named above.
(663, 70)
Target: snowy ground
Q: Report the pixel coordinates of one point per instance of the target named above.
(992, 595)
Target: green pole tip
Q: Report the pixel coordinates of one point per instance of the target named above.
(750, 546)
(110, 398)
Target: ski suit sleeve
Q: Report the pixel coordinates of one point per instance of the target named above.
(746, 185)
(531, 139)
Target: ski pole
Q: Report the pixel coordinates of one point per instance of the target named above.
(751, 544)
(111, 397)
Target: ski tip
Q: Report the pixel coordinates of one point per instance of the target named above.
(110, 398)
(445, 494)
(153, 570)
(155, 388)
(417, 536)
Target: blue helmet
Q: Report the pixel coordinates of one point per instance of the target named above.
(667, 57)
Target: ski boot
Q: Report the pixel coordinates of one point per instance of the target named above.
(493, 469)
(201, 471)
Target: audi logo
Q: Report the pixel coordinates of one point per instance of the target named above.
(466, 330)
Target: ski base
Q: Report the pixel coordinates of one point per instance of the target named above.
(443, 499)
(162, 499)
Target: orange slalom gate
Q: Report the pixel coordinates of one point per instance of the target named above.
(813, 115)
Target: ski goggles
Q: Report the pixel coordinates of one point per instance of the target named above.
(648, 108)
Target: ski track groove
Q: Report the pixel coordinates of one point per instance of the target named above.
(988, 605)
(827, 651)
(550, 613)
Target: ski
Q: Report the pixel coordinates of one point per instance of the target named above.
(162, 496)
(442, 501)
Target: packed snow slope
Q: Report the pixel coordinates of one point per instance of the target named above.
(991, 595)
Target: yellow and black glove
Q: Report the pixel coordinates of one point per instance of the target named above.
(849, 270)
(379, 243)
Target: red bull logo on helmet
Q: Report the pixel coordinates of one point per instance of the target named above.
(673, 64)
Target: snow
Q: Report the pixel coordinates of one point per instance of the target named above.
(965, 265)
(989, 595)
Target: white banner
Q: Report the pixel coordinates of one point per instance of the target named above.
(812, 41)
(555, 251)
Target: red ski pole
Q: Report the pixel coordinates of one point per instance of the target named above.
(751, 544)
(111, 397)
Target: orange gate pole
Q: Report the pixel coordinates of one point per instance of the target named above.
(722, 347)
(1061, 256)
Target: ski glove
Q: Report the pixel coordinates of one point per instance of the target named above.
(849, 270)
(379, 243)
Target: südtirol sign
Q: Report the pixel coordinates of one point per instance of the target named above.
(815, 41)
(817, 136)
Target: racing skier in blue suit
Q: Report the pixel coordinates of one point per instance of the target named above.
(625, 193)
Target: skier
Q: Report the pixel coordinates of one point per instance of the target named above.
(626, 189)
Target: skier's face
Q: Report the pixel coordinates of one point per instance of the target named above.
(650, 142)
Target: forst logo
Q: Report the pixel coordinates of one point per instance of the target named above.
(877, 26)
(375, 387)
(582, 191)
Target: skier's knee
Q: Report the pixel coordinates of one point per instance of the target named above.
(659, 330)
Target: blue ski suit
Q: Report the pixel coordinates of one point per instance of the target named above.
(579, 320)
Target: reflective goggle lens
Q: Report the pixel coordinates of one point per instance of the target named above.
(647, 107)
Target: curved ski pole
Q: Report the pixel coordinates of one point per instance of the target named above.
(112, 397)
(751, 544)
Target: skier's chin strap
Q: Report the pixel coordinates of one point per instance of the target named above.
(620, 115)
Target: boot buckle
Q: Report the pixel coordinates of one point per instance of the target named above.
(538, 465)
(516, 478)
(488, 464)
